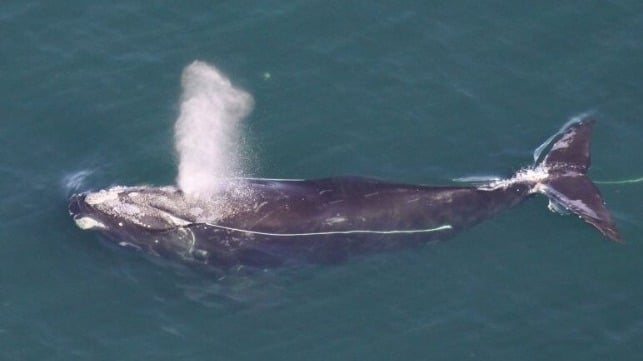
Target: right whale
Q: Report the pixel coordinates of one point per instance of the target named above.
(266, 223)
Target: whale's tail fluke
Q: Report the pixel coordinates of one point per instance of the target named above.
(568, 187)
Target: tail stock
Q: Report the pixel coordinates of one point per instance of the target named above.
(567, 185)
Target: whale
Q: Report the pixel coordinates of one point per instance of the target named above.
(265, 223)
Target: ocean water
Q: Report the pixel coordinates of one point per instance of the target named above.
(409, 91)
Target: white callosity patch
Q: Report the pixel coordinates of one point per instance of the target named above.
(208, 140)
(88, 223)
(105, 195)
(196, 211)
(129, 209)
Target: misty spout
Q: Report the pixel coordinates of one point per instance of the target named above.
(208, 130)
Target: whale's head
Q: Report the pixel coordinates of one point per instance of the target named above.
(144, 218)
(154, 220)
(151, 209)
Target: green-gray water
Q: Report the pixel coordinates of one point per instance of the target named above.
(407, 91)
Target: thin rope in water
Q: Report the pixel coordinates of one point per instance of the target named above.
(409, 231)
(624, 181)
(476, 179)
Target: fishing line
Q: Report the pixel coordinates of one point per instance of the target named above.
(360, 231)
(624, 181)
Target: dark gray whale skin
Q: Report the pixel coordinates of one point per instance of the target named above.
(296, 227)
(328, 220)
